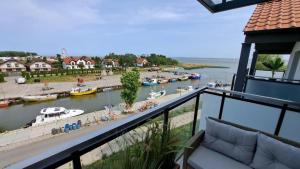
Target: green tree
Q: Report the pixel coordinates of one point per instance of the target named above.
(274, 64)
(59, 63)
(81, 66)
(130, 83)
(2, 77)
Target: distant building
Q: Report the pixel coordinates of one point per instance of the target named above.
(39, 65)
(12, 65)
(141, 62)
(74, 62)
(109, 63)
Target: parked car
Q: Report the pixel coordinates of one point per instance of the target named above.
(20, 80)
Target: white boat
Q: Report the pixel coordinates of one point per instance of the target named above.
(182, 90)
(39, 98)
(212, 84)
(156, 95)
(52, 114)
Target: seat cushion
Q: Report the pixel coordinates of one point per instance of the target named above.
(274, 154)
(231, 141)
(204, 158)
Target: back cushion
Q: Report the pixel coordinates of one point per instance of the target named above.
(231, 141)
(274, 154)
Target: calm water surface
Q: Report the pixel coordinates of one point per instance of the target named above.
(18, 115)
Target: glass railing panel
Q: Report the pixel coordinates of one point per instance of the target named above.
(181, 120)
(290, 128)
(272, 88)
(210, 107)
(252, 115)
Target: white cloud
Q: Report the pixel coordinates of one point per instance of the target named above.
(43, 14)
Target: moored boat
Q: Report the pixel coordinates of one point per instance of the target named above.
(4, 103)
(82, 91)
(162, 81)
(183, 78)
(172, 80)
(150, 82)
(182, 90)
(156, 95)
(195, 76)
(52, 114)
(39, 98)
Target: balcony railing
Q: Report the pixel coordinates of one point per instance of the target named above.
(273, 87)
(214, 102)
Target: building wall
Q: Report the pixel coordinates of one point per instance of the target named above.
(293, 71)
(74, 65)
(14, 67)
(40, 66)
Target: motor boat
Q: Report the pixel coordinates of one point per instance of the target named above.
(52, 114)
(172, 80)
(195, 76)
(39, 98)
(182, 90)
(183, 78)
(82, 91)
(150, 82)
(4, 103)
(156, 95)
(212, 84)
(162, 81)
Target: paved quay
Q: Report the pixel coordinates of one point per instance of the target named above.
(10, 89)
(18, 145)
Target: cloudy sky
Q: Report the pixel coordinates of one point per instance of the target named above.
(177, 28)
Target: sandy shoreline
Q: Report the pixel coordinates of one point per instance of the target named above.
(10, 89)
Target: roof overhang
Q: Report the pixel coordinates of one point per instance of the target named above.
(224, 5)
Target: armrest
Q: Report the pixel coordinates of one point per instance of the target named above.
(192, 144)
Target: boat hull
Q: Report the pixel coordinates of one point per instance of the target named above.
(4, 104)
(149, 84)
(39, 98)
(92, 91)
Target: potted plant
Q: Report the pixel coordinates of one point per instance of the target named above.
(274, 65)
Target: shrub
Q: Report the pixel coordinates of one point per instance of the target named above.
(2, 77)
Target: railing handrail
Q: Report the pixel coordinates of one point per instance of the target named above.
(276, 102)
(63, 153)
(283, 80)
(66, 152)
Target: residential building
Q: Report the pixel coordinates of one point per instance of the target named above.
(39, 65)
(75, 62)
(141, 62)
(110, 63)
(12, 65)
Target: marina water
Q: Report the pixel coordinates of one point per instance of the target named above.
(17, 116)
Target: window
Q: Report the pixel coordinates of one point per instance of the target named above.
(36, 65)
(44, 65)
(72, 63)
(16, 65)
(8, 65)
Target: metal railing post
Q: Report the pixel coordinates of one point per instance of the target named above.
(280, 119)
(76, 161)
(222, 105)
(165, 126)
(196, 114)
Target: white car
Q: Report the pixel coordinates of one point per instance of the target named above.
(20, 80)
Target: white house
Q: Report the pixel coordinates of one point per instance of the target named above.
(39, 65)
(141, 62)
(75, 62)
(109, 63)
(12, 65)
